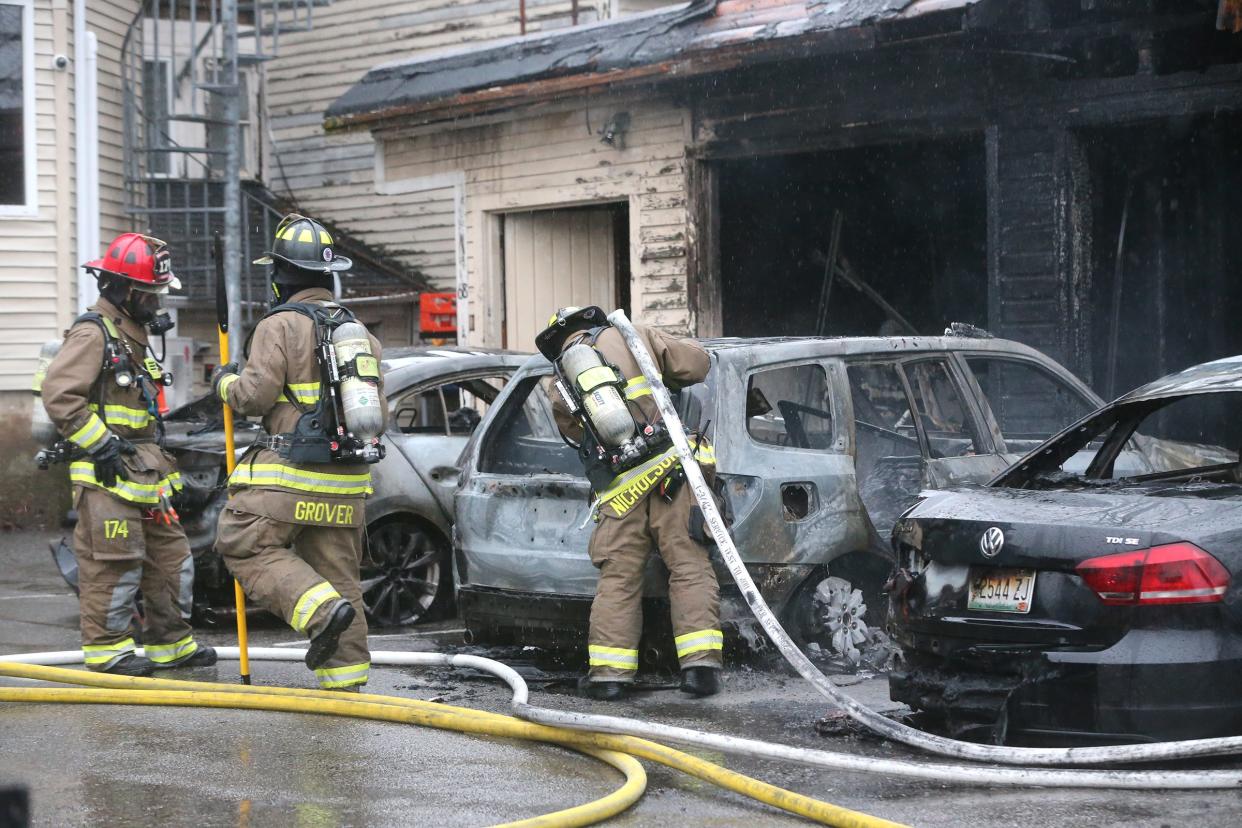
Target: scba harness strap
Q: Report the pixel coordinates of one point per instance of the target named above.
(319, 432)
(120, 362)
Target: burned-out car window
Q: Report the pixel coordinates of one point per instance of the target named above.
(1028, 403)
(948, 426)
(1191, 438)
(454, 408)
(883, 422)
(790, 407)
(524, 438)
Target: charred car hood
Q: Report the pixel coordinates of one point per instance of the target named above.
(1040, 526)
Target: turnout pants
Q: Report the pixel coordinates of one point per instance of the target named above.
(122, 548)
(297, 572)
(619, 549)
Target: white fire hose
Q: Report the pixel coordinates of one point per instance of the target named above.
(1069, 777)
(874, 721)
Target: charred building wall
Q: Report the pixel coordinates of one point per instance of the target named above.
(982, 167)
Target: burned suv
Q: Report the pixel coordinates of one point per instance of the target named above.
(820, 444)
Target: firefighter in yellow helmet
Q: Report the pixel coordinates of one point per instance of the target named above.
(291, 532)
(101, 391)
(642, 504)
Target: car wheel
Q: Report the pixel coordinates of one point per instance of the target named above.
(405, 573)
(833, 616)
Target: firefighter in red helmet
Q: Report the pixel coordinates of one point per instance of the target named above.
(101, 391)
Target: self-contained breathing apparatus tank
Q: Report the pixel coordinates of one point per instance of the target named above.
(42, 429)
(345, 425)
(592, 391)
(359, 371)
(596, 384)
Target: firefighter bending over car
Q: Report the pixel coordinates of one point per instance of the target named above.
(102, 393)
(604, 408)
(292, 530)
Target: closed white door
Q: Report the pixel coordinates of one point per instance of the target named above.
(555, 259)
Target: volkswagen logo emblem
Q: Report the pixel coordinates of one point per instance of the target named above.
(992, 542)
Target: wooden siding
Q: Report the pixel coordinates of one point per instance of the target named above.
(334, 176)
(38, 272)
(34, 304)
(110, 22)
(551, 159)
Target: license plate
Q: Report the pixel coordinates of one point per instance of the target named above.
(1000, 590)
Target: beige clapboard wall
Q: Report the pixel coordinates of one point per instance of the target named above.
(38, 274)
(553, 157)
(334, 175)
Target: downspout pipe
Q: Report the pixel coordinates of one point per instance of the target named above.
(86, 150)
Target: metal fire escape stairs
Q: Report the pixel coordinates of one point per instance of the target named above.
(188, 68)
(193, 72)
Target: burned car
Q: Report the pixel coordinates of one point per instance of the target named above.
(1090, 592)
(820, 444)
(436, 398)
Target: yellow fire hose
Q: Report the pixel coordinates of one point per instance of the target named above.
(170, 693)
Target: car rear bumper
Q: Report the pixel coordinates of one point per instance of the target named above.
(497, 616)
(1153, 685)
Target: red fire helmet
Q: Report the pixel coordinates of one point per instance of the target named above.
(141, 259)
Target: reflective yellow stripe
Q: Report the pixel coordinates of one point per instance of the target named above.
(637, 387)
(291, 477)
(311, 600)
(124, 415)
(104, 653)
(595, 377)
(89, 435)
(165, 653)
(346, 676)
(628, 488)
(699, 641)
(618, 657)
(223, 388)
(306, 236)
(83, 472)
(324, 238)
(704, 452)
(305, 392)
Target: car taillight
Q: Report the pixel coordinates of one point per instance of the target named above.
(1175, 573)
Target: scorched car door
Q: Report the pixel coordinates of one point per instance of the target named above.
(785, 462)
(523, 512)
(957, 445)
(431, 424)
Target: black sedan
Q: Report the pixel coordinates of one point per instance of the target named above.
(1091, 592)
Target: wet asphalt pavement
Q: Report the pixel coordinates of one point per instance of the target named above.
(97, 765)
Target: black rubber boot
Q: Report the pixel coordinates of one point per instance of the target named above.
(204, 656)
(131, 665)
(323, 645)
(601, 690)
(700, 681)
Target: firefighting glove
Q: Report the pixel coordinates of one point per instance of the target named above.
(107, 459)
(228, 369)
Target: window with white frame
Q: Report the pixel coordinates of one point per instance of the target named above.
(17, 134)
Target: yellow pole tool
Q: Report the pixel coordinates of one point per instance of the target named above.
(230, 457)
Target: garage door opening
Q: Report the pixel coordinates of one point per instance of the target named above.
(557, 258)
(911, 247)
(1168, 196)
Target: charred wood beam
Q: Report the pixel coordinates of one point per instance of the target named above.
(1229, 16)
